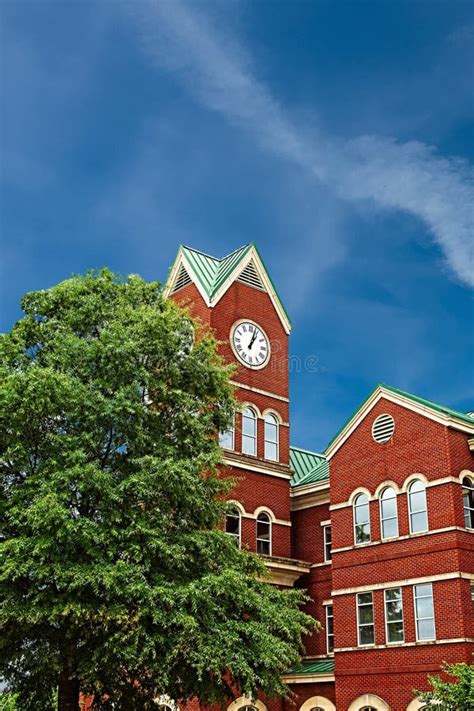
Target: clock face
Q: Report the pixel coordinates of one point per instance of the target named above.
(250, 344)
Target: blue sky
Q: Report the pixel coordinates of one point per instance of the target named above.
(337, 136)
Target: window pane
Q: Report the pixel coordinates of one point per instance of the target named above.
(390, 528)
(232, 524)
(419, 522)
(361, 513)
(248, 422)
(270, 429)
(425, 629)
(389, 504)
(417, 501)
(362, 533)
(425, 590)
(226, 439)
(395, 632)
(263, 547)
(271, 451)
(366, 615)
(366, 635)
(364, 598)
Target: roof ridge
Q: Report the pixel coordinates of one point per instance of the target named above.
(428, 403)
(307, 451)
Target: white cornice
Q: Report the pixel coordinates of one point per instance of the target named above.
(419, 408)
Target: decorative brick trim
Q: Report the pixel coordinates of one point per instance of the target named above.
(403, 583)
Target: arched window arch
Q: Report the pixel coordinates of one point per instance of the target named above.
(271, 437)
(417, 507)
(361, 519)
(388, 513)
(249, 431)
(468, 501)
(264, 534)
(233, 524)
(369, 702)
(317, 703)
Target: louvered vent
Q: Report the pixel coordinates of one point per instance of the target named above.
(383, 428)
(183, 280)
(250, 277)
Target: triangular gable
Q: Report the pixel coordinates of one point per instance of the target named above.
(438, 413)
(307, 467)
(213, 277)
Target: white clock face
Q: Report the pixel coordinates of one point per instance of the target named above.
(250, 344)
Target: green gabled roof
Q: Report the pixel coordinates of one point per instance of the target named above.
(211, 272)
(315, 666)
(308, 467)
(464, 417)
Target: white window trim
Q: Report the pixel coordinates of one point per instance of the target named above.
(425, 509)
(399, 641)
(253, 437)
(463, 488)
(231, 430)
(382, 537)
(426, 639)
(276, 422)
(354, 503)
(232, 535)
(326, 609)
(270, 525)
(326, 558)
(359, 643)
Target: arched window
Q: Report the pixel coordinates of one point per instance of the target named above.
(389, 513)
(271, 437)
(264, 534)
(361, 519)
(226, 439)
(417, 507)
(249, 432)
(232, 524)
(468, 501)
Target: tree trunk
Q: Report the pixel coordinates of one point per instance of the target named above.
(68, 692)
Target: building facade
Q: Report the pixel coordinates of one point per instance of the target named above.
(379, 528)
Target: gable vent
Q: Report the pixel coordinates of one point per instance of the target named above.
(383, 428)
(183, 280)
(250, 277)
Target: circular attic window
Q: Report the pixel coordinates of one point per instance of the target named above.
(383, 428)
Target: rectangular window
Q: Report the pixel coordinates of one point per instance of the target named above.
(394, 615)
(327, 543)
(329, 629)
(424, 611)
(365, 619)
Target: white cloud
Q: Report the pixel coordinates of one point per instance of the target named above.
(409, 176)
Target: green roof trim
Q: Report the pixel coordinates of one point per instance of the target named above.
(308, 467)
(212, 272)
(414, 398)
(315, 666)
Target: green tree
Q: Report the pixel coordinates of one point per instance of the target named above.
(115, 578)
(451, 695)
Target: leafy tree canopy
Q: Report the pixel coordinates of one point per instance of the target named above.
(455, 695)
(114, 576)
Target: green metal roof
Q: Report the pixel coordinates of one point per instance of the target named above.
(315, 666)
(308, 467)
(212, 272)
(415, 398)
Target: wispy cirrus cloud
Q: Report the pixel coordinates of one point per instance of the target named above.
(389, 175)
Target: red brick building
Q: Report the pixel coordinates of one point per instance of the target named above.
(379, 528)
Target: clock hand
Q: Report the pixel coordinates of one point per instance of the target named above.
(252, 340)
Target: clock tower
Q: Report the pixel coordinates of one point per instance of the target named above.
(236, 297)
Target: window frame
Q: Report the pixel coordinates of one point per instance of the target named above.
(270, 416)
(469, 491)
(425, 510)
(415, 598)
(388, 518)
(329, 635)
(387, 623)
(270, 532)
(327, 544)
(366, 523)
(235, 536)
(245, 436)
(365, 624)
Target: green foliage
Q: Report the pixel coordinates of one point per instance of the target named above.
(112, 568)
(455, 695)
(7, 702)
